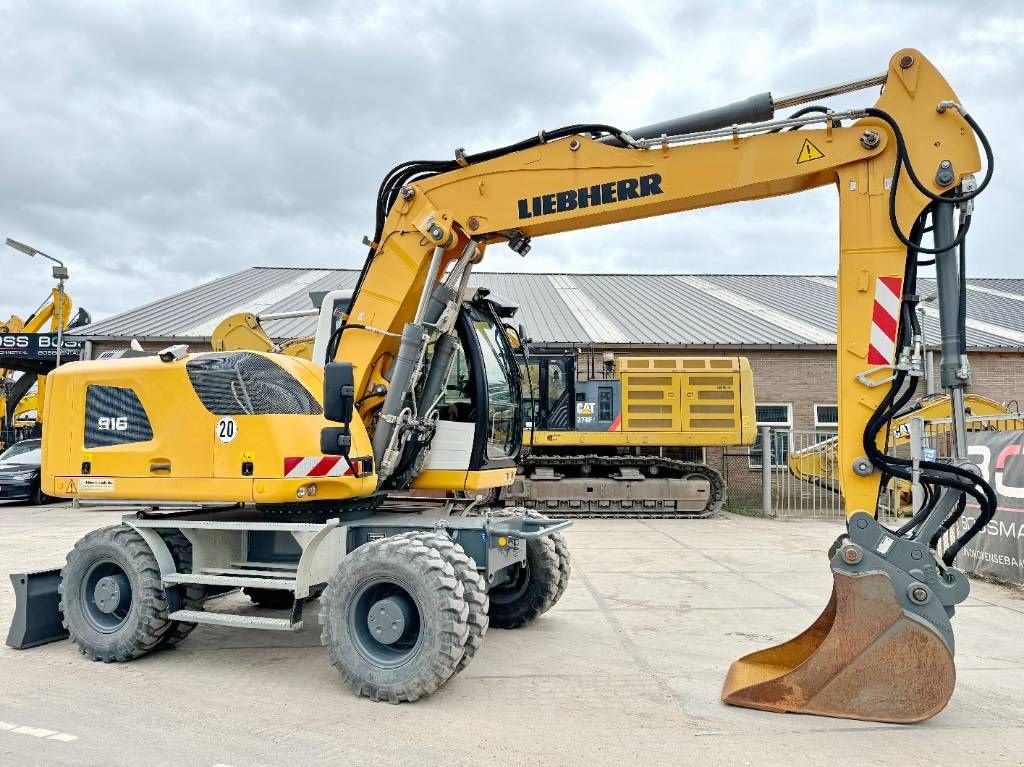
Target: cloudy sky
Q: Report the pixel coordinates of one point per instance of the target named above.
(154, 146)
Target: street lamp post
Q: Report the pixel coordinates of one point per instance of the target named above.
(60, 273)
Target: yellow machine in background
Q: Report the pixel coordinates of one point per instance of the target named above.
(819, 465)
(624, 443)
(16, 395)
(883, 647)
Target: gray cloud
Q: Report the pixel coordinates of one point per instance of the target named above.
(155, 146)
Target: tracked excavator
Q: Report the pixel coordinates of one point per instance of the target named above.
(408, 595)
(620, 443)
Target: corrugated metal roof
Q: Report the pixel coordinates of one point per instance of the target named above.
(578, 309)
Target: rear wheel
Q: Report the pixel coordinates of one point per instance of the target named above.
(191, 595)
(111, 599)
(533, 587)
(395, 619)
(564, 566)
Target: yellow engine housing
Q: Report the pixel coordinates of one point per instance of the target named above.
(185, 459)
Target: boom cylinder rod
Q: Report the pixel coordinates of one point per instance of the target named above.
(785, 102)
(428, 285)
(953, 374)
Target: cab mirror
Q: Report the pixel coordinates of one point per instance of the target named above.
(339, 392)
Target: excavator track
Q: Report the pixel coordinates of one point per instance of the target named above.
(616, 486)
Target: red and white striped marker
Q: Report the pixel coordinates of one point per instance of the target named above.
(885, 321)
(317, 466)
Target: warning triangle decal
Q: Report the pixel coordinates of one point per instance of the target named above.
(809, 152)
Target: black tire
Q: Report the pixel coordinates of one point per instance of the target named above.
(191, 595)
(564, 567)
(473, 586)
(39, 497)
(426, 644)
(130, 618)
(532, 590)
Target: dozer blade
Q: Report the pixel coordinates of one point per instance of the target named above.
(37, 619)
(863, 658)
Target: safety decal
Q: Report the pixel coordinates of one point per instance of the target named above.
(616, 424)
(317, 466)
(96, 485)
(227, 429)
(809, 152)
(885, 321)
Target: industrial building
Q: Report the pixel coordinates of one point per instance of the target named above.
(784, 324)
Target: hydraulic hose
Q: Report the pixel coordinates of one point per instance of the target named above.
(903, 160)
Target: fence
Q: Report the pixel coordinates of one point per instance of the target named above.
(802, 479)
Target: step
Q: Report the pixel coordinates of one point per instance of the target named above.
(238, 581)
(236, 621)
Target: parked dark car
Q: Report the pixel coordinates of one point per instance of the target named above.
(20, 472)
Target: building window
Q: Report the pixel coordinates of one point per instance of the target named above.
(780, 418)
(826, 421)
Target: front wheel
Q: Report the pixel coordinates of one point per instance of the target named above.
(394, 618)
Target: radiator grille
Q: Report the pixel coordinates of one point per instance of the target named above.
(114, 416)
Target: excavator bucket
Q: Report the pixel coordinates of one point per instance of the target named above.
(863, 658)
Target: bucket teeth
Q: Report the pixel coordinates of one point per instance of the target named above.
(863, 658)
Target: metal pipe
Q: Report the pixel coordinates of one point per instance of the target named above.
(916, 426)
(288, 315)
(929, 372)
(766, 471)
(953, 375)
(816, 94)
(60, 321)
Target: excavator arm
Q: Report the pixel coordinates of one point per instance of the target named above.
(883, 648)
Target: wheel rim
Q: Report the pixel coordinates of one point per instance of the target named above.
(509, 592)
(384, 621)
(106, 596)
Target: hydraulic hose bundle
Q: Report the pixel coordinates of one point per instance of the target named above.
(934, 475)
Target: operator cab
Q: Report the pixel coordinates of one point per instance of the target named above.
(554, 400)
(481, 401)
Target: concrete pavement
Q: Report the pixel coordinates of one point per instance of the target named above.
(626, 669)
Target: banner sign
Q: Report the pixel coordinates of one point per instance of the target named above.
(37, 347)
(997, 551)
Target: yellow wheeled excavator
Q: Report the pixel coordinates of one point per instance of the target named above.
(408, 595)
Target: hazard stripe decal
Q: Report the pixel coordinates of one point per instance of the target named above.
(320, 466)
(616, 424)
(885, 321)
